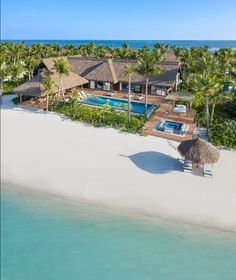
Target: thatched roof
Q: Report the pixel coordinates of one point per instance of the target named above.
(104, 70)
(198, 151)
(171, 57)
(50, 61)
(113, 70)
(71, 81)
(180, 96)
(32, 87)
(83, 65)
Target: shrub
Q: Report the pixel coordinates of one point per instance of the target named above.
(104, 116)
(223, 134)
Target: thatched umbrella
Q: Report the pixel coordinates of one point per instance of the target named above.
(198, 151)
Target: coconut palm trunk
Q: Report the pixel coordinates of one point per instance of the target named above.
(47, 98)
(129, 100)
(207, 111)
(60, 84)
(146, 95)
(212, 112)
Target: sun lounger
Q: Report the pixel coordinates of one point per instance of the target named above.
(188, 166)
(180, 109)
(111, 93)
(140, 97)
(84, 95)
(207, 170)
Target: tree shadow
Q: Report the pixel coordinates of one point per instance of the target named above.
(156, 162)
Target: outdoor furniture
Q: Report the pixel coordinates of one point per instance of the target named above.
(140, 97)
(84, 95)
(207, 170)
(160, 92)
(111, 93)
(188, 166)
(200, 153)
(180, 109)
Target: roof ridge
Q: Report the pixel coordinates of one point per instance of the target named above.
(112, 69)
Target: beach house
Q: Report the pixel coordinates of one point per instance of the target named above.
(104, 75)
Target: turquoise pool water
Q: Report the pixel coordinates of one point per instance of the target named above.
(171, 126)
(48, 238)
(136, 107)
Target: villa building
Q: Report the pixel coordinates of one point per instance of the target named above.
(106, 75)
(99, 79)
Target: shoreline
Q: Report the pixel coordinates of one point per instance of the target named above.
(118, 170)
(140, 216)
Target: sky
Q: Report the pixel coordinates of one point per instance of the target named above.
(119, 19)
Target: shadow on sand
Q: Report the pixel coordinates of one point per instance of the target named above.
(156, 162)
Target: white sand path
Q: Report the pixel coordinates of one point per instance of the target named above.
(47, 153)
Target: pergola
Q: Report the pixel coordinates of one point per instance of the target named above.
(180, 96)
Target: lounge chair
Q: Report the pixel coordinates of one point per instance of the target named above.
(207, 170)
(84, 95)
(180, 109)
(140, 97)
(111, 93)
(188, 166)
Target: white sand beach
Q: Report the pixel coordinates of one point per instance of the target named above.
(48, 153)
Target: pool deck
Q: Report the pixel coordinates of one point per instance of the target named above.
(164, 111)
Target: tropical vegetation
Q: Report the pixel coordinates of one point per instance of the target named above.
(104, 116)
(209, 75)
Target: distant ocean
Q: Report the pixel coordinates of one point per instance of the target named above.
(213, 44)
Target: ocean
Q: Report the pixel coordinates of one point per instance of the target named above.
(213, 44)
(49, 238)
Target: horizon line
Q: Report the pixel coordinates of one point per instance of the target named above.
(118, 39)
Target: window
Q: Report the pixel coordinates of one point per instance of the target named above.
(106, 86)
(157, 90)
(103, 86)
(98, 85)
(134, 88)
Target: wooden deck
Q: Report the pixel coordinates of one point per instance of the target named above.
(164, 112)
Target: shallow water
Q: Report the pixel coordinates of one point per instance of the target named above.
(49, 238)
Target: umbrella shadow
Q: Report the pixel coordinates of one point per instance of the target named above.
(156, 162)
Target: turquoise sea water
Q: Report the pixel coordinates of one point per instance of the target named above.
(49, 238)
(214, 44)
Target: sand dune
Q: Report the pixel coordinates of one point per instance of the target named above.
(48, 153)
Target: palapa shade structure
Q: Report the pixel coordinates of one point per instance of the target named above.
(180, 96)
(198, 151)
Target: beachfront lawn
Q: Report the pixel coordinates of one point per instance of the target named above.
(105, 116)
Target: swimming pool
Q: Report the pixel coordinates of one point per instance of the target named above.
(121, 104)
(171, 127)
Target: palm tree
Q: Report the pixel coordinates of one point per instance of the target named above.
(147, 67)
(63, 69)
(49, 87)
(206, 86)
(129, 70)
(16, 69)
(30, 64)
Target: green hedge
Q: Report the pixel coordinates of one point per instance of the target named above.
(105, 116)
